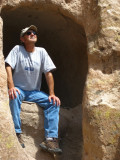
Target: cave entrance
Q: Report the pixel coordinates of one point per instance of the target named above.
(64, 40)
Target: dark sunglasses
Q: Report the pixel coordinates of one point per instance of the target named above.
(29, 33)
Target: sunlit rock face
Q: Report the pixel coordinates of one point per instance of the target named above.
(82, 38)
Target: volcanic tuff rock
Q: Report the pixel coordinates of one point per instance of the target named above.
(97, 23)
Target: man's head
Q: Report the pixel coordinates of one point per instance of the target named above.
(29, 35)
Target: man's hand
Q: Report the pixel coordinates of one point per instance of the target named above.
(12, 92)
(55, 100)
(50, 82)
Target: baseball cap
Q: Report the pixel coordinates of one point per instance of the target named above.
(23, 31)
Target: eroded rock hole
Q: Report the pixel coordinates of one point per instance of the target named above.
(65, 42)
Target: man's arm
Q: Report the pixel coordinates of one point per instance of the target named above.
(11, 87)
(50, 83)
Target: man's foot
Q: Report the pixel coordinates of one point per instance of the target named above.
(20, 139)
(51, 146)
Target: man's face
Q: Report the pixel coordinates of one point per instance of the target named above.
(30, 37)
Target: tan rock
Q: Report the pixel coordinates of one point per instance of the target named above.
(93, 25)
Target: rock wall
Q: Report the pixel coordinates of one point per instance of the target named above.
(101, 130)
(101, 111)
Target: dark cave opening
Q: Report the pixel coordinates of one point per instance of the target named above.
(65, 42)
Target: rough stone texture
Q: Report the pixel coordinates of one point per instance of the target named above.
(101, 112)
(101, 119)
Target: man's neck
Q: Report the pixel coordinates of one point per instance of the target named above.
(30, 47)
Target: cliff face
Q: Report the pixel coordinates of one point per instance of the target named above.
(82, 37)
(101, 111)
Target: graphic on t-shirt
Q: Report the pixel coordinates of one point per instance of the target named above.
(29, 68)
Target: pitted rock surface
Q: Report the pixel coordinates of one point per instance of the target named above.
(98, 30)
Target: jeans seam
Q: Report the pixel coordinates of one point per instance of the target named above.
(48, 122)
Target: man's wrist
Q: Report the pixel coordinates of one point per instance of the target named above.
(11, 86)
(52, 94)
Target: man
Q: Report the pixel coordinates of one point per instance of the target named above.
(24, 66)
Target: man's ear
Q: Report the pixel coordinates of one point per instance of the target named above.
(22, 39)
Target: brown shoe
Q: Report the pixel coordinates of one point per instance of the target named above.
(51, 146)
(20, 139)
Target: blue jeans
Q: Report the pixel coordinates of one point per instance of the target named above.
(51, 112)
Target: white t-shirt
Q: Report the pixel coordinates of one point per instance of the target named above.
(28, 67)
